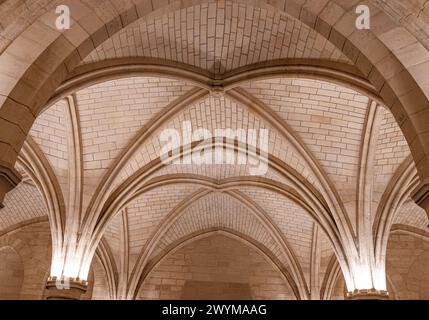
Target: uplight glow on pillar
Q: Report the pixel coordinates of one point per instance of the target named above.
(379, 278)
(57, 265)
(73, 266)
(71, 269)
(367, 277)
(362, 277)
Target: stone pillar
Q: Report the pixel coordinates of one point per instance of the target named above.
(60, 289)
(420, 195)
(9, 179)
(371, 294)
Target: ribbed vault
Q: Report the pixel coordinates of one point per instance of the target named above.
(218, 37)
(324, 152)
(346, 113)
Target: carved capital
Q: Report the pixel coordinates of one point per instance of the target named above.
(368, 294)
(9, 179)
(65, 288)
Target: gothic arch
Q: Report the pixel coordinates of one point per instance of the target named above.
(206, 233)
(294, 275)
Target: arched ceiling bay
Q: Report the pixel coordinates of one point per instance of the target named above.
(218, 37)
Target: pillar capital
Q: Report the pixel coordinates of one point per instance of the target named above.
(9, 179)
(368, 294)
(420, 195)
(65, 289)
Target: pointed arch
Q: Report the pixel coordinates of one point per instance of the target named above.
(112, 69)
(206, 233)
(294, 275)
(397, 191)
(41, 173)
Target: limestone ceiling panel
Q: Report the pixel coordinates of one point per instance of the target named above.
(146, 213)
(22, 204)
(112, 113)
(50, 132)
(218, 37)
(412, 215)
(328, 118)
(222, 259)
(292, 220)
(218, 113)
(218, 210)
(392, 150)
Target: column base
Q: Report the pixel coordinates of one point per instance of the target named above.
(371, 294)
(65, 289)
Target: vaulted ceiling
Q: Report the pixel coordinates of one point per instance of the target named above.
(107, 129)
(217, 38)
(326, 120)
